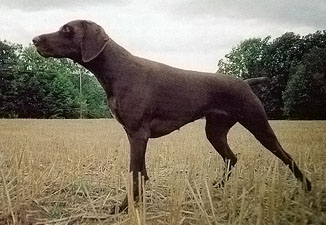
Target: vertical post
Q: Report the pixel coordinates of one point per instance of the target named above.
(80, 96)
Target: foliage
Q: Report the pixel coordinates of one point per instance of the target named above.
(296, 96)
(304, 96)
(291, 62)
(8, 90)
(244, 60)
(35, 87)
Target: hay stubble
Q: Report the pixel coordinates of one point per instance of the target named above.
(74, 171)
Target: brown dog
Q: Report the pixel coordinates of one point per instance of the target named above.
(151, 99)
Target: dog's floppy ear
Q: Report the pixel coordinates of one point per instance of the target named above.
(93, 42)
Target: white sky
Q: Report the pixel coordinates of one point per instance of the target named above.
(190, 34)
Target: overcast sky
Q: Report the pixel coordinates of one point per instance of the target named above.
(190, 34)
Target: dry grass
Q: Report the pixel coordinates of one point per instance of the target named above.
(74, 171)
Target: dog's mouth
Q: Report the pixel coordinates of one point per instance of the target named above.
(45, 52)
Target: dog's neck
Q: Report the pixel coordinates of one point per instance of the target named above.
(111, 67)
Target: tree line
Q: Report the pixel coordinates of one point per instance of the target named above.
(296, 66)
(34, 87)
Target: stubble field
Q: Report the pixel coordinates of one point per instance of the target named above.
(74, 171)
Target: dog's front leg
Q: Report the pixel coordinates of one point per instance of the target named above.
(137, 166)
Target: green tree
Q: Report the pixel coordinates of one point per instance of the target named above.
(244, 60)
(8, 86)
(278, 59)
(282, 54)
(304, 97)
(44, 87)
(296, 96)
(315, 40)
(92, 98)
(34, 87)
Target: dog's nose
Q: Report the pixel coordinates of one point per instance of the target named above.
(36, 40)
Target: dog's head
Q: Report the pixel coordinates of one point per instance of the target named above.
(79, 40)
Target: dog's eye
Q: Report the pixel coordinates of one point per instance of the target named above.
(66, 30)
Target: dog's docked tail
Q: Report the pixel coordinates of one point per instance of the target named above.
(256, 80)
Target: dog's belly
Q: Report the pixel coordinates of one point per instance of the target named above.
(161, 127)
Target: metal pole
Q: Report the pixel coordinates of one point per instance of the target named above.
(80, 95)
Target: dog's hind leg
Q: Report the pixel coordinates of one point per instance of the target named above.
(258, 125)
(216, 129)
